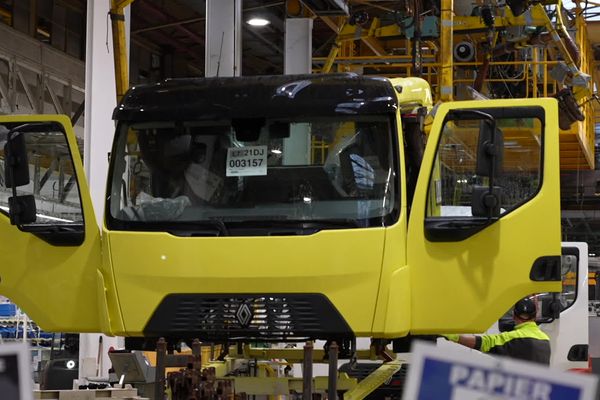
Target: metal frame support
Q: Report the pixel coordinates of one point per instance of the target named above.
(117, 18)
(55, 102)
(307, 372)
(159, 380)
(373, 381)
(335, 49)
(333, 371)
(447, 51)
(4, 94)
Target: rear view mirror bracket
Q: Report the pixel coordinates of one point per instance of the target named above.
(486, 201)
(489, 150)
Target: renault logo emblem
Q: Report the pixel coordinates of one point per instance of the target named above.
(244, 314)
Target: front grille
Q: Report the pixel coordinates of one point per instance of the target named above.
(267, 317)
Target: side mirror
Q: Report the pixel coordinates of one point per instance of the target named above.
(486, 202)
(490, 149)
(22, 209)
(578, 352)
(16, 167)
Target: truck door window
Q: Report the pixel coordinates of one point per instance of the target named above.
(52, 180)
(455, 182)
(333, 173)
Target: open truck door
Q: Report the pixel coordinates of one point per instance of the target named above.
(50, 247)
(484, 228)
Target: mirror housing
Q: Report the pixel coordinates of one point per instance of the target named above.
(578, 352)
(22, 209)
(16, 168)
(490, 149)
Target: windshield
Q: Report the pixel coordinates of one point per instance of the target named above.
(335, 173)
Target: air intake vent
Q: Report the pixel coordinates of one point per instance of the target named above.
(269, 317)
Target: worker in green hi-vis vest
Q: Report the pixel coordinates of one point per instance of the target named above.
(525, 342)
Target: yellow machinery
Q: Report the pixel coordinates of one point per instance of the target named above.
(117, 16)
(521, 50)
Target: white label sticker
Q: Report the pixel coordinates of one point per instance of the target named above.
(247, 161)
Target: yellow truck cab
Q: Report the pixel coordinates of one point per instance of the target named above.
(284, 208)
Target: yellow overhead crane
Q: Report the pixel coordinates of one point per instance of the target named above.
(117, 18)
(439, 66)
(577, 142)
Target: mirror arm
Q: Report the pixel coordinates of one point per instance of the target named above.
(492, 150)
(12, 162)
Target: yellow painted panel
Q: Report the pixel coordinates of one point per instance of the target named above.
(55, 285)
(464, 286)
(344, 265)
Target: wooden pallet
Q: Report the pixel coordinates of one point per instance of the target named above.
(123, 394)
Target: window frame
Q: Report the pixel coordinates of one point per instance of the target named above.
(459, 228)
(113, 223)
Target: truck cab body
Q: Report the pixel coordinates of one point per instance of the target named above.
(284, 208)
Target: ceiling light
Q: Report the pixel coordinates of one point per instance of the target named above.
(256, 21)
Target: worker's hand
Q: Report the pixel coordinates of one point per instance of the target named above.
(453, 337)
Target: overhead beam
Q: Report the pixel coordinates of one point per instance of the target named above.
(265, 41)
(169, 25)
(199, 19)
(372, 4)
(149, 7)
(177, 45)
(375, 45)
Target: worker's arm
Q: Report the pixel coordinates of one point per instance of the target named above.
(482, 343)
(471, 341)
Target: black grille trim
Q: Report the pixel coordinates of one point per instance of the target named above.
(264, 317)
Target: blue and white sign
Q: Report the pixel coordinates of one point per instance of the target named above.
(439, 373)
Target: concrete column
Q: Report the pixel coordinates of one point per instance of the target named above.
(223, 54)
(297, 60)
(298, 46)
(100, 100)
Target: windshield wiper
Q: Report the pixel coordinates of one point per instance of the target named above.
(296, 223)
(335, 223)
(274, 226)
(198, 228)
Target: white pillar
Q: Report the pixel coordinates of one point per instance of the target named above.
(223, 54)
(100, 101)
(298, 46)
(297, 60)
